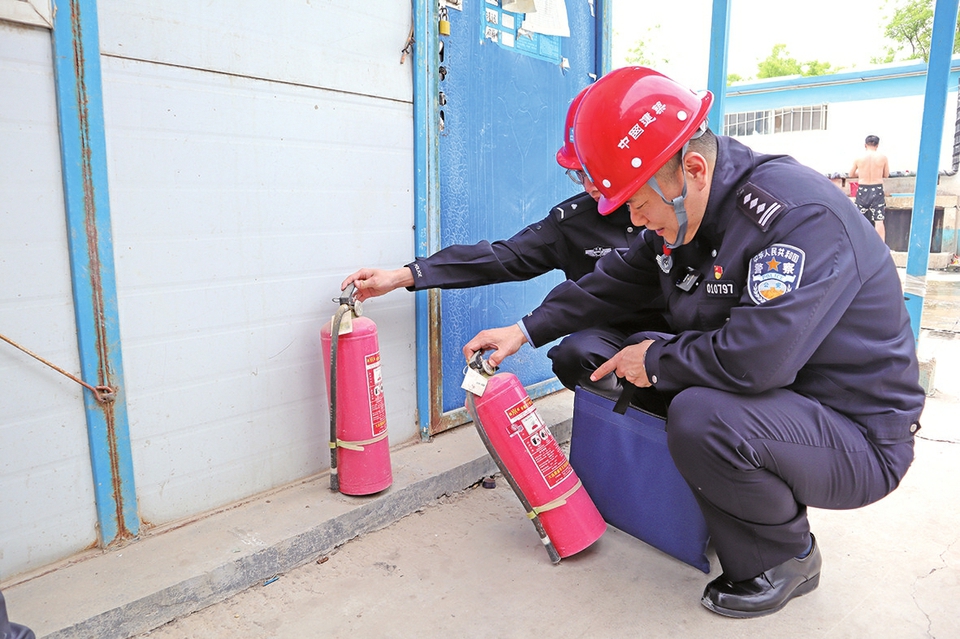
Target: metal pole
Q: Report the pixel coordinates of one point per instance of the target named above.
(931, 134)
(717, 75)
(603, 55)
(76, 56)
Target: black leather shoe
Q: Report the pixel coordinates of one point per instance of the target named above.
(766, 593)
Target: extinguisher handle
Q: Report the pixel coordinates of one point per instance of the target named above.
(348, 297)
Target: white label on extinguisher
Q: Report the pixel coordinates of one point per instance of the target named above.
(538, 441)
(378, 410)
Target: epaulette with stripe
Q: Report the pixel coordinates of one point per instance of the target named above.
(574, 206)
(758, 205)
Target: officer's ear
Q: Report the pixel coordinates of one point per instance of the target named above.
(696, 168)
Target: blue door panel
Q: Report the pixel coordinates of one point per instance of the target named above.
(502, 125)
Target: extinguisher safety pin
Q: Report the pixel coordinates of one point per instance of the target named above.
(482, 365)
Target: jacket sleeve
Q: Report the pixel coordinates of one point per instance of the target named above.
(764, 346)
(535, 250)
(625, 282)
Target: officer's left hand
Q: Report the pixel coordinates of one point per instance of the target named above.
(628, 364)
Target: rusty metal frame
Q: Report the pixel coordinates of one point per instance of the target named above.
(76, 59)
(426, 189)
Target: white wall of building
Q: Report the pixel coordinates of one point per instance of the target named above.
(257, 153)
(47, 506)
(896, 121)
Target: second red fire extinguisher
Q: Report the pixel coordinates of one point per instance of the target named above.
(359, 449)
(531, 461)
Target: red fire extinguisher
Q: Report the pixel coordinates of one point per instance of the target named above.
(531, 461)
(359, 449)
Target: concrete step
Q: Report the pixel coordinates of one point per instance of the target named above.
(175, 570)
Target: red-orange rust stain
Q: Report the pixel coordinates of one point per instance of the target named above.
(90, 224)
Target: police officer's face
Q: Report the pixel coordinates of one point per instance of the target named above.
(649, 210)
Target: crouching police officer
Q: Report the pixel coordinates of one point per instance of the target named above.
(571, 239)
(790, 367)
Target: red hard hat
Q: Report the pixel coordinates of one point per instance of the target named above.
(633, 120)
(567, 155)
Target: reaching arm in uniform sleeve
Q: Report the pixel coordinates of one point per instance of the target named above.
(624, 283)
(537, 249)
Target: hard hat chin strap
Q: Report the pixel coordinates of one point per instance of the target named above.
(679, 207)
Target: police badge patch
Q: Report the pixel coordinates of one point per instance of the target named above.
(774, 271)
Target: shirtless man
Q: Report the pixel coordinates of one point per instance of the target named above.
(871, 168)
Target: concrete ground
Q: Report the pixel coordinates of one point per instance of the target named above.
(434, 557)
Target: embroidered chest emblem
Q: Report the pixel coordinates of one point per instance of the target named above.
(774, 271)
(597, 252)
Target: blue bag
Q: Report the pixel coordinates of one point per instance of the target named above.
(627, 470)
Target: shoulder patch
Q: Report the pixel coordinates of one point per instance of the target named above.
(774, 271)
(758, 205)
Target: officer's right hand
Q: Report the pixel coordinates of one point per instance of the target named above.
(373, 282)
(503, 341)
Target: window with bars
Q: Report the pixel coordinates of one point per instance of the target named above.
(803, 118)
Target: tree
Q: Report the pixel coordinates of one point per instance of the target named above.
(911, 28)
(641, 51)
(779, 64)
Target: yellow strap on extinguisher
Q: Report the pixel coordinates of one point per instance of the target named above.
(358, 444)
(556, 503)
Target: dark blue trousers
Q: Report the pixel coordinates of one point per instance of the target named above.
(755, 462)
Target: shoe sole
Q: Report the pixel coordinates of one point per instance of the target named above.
(808, 586)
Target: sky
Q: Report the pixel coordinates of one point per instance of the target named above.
(845, 33)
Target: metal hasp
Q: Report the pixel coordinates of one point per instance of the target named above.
(717, 75)
(76, 53)
(931, 132)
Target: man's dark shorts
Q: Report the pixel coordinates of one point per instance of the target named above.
(870, 202)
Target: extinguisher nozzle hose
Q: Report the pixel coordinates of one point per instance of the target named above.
(505, 471)
(334, 480)
(551, 551)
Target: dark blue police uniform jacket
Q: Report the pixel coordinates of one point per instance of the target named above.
(571, 238)
(792, 353)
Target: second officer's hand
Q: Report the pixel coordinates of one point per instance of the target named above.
(373, 282)
(628, 364)
(503, 341)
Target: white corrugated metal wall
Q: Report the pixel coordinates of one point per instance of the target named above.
(46, 487)
(257, 153)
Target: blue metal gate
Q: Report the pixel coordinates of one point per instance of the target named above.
(503, 97)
